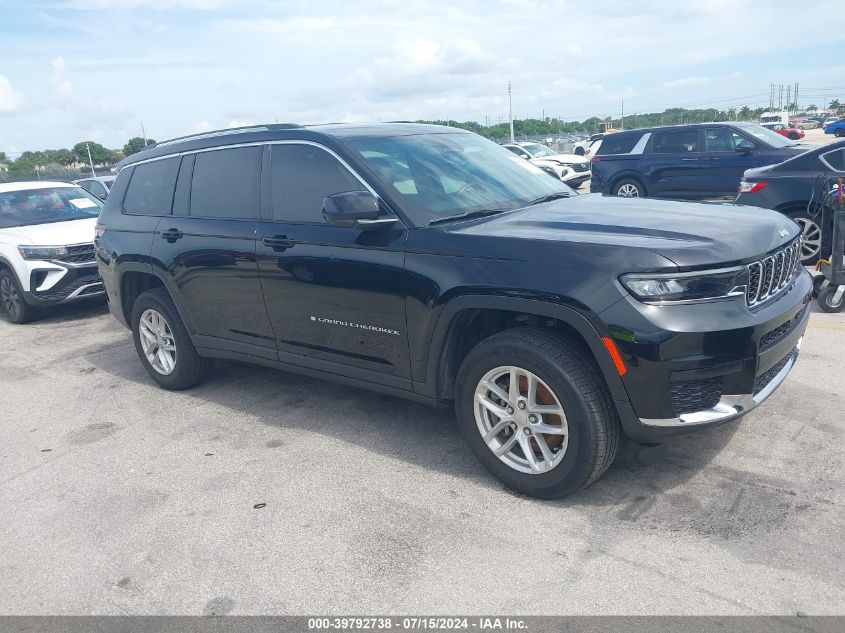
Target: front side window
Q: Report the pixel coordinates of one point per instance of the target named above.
(772, 139)
(45, 206)
(675, 142)
(225, 184)
(538, 151)
(301, 177)
(440, 175)
(150, 190)
(722, 139)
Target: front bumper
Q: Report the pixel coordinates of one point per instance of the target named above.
(693, 366)
(76, 282)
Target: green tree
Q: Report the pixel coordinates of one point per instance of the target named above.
(99, 154)
(136, 144)
(812, 108)
(835, 105)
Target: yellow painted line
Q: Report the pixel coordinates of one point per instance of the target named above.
(823, 326)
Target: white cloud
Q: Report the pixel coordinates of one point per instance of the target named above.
(202, 126)
(686, 82)
(10, 99)
(62, 86)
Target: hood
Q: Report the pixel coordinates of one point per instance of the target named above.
(562, 159)
(52, 234)
(690, 234)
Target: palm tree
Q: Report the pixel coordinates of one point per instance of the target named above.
(835, 106)
(812, 108)
(745, 113)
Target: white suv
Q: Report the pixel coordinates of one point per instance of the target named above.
(46, 247)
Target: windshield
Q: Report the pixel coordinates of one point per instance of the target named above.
(43, 206)
(440, 175)
(772, 139)
(535, 149)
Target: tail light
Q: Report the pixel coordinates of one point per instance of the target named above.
(99, 229)
(752, 187)
(595, 159)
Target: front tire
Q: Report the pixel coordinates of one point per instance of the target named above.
(579, 151)
(535, 411)
(794, 137)
(629, 188)
(12, 301)
(163, 343)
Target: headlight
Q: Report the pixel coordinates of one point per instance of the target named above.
(42, 252)
(710, 285)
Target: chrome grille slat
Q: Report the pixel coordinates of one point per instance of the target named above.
(773, 274)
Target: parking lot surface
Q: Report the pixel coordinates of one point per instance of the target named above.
(121, 498)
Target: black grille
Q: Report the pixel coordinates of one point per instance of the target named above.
(79, 254)
(581, 167)
(770, 339)
(67, 290)
(696, 395)
(766, 377)
(91, 290)
(767, 277)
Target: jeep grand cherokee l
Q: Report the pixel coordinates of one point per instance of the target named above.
(46, 247)
(427, 262)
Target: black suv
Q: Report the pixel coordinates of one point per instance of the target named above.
(697, 161)
(427, 262)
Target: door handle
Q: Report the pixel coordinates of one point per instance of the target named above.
(279, 243)
(171, 235)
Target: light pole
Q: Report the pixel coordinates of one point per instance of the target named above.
(90, 162)
(510, 109)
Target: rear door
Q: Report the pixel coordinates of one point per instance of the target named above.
(673, 163)
(207, 247)
(335, 295)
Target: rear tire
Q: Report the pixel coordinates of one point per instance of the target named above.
(839, 133)
(579, 151)
(629, 188)
(815, 241)
(793, 136)
(12, 302)
(166, 351)
(580, 445)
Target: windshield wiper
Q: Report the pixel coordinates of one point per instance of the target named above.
(549, 198)
(466, 215)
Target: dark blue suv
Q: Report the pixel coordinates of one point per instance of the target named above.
(705, 160)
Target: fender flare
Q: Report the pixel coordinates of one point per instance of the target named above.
(566, 314)
(151, 269)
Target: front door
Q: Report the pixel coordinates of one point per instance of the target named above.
(722, 165)
(335, 295)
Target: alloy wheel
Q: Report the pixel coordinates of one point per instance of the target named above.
(10, 297)
(157, 342)
(811, 238)
(628, 190)
(521, 420)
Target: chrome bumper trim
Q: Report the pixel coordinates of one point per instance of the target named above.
(729, 406)
(75, 294)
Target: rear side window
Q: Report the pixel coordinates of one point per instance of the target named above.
(301, 176)
(618, 143)
(150, 189)
(674, 142)
(226, 183)
(835, 159)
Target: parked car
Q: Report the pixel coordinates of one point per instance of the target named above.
(774, 117)
(819, 119)
(424, 261)
(588, 146)
(789, 131)
(828, 121)
(46, 247)
(98, 185)
(794, 188)
(804, 124)
(569, 168)
(703, 160)
(836, 128)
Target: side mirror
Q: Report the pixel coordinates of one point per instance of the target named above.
(744, 147)
(355, 209)
(526, 156)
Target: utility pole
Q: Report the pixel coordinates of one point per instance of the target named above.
(90, 162)
(510, 109)
(143, 134)
(623, 114)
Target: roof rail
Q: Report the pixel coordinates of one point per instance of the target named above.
(245, 128)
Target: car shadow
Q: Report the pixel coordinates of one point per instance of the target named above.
(414, 433)
(76, 311)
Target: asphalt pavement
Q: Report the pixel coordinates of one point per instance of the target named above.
(262, 492)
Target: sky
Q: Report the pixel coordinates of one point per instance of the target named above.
(73, 70)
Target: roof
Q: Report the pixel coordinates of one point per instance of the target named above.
(284, 131)
(32, 184)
